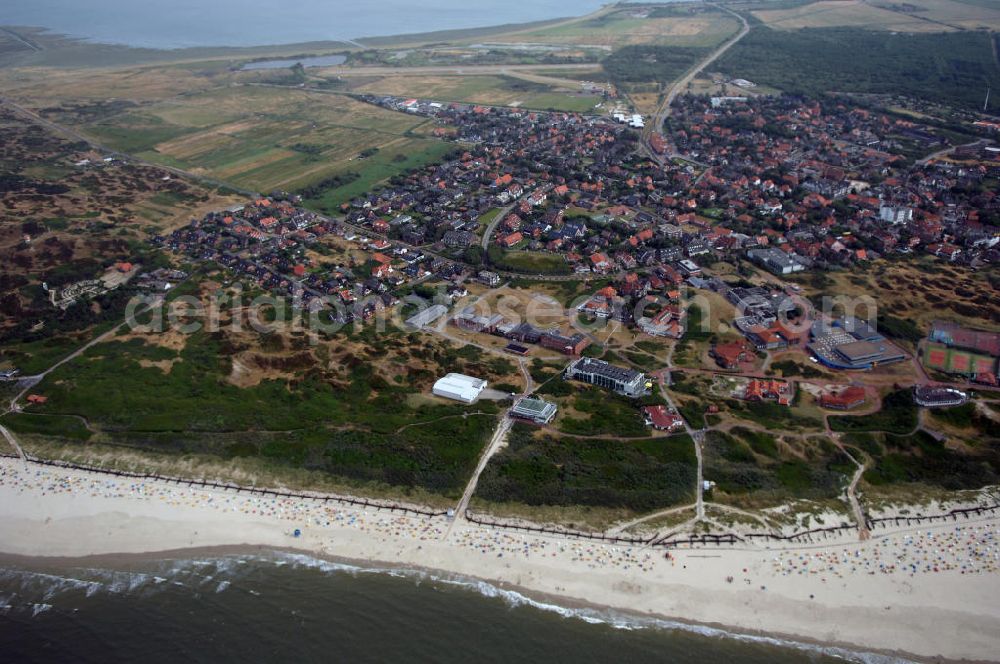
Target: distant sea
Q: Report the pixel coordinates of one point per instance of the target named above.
(186, 23)
(280, 607)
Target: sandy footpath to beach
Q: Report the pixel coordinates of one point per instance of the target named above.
(882, 595)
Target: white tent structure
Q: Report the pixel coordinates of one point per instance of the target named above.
(459, 387)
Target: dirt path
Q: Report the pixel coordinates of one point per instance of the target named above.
(496, 444)
(852, 488)
(13, 443)
(622, 527)
(696, 436)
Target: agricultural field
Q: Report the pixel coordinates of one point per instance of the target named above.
(266, 138)
(963, 14)
(680, 26)
(57, 92)
(231, 126)
(542, 94)
(908, 16)
(838, 14)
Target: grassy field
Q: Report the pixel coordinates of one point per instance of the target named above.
(528, 262)
(487, 90)
(60, 426)
(194, 118)
(49, 87)
(966, 14)
(754, 469)
(538, 469)
(356, 407)
(377, 169)
(921, 459)
(249, 135)
(910, 16)
(679, 27)
(591, 411)
(836, 13)
(36, 356)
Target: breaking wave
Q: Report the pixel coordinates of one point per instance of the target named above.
(36, 593)
(614, 619)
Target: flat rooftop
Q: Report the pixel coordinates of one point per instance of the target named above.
(532, 406)
(602, 368)
(859, 351)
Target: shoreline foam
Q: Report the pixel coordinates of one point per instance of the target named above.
(513, 597)
(52, 515)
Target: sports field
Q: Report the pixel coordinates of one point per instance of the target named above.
(952, 360)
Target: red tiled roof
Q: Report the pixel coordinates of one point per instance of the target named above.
(660, 418)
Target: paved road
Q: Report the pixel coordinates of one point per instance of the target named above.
(34, 117)
(941, 153)
(663, 112)
(455, 70)
(488, 233)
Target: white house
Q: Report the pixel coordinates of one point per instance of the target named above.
(895, 214)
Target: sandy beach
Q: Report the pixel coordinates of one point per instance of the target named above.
(924, 593)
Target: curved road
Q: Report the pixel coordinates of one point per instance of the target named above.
(663, 112)
(456, 70)
(488, 233)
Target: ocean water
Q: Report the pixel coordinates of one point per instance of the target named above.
(184, 23)
(281, 607)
